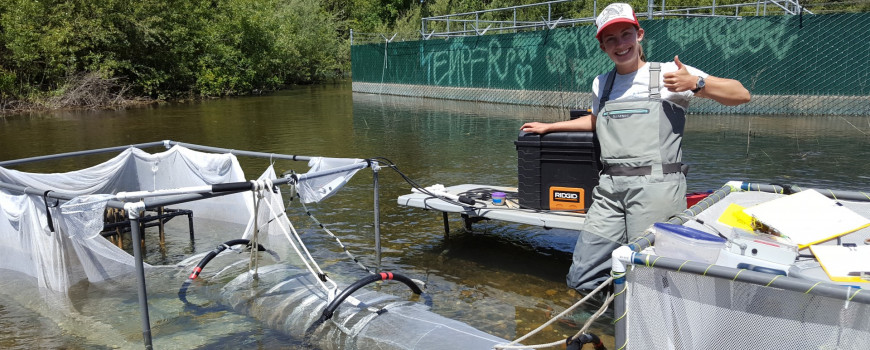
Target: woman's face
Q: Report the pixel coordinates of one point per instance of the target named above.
(621, 42)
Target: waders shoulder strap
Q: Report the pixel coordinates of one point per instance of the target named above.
(608, 85)
(654, 89)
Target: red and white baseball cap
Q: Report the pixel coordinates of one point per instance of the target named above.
(615, 13)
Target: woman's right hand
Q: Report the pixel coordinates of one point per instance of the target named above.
(536, 127)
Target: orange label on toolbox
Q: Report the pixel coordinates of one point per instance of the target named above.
(567, 198)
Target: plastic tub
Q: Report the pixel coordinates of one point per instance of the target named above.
(681, 242)
(498, 198)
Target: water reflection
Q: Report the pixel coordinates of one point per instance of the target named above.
(502, 278)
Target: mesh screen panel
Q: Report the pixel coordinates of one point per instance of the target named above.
(677, 310)
(808, 64)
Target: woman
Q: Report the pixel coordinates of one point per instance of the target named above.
(638, 114)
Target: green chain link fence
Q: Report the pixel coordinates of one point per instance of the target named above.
(807, 65)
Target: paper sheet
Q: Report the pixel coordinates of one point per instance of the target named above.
(808, 217)
(843, 264)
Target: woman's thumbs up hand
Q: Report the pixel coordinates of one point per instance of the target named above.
(680, 80)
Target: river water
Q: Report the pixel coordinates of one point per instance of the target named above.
(502, 278)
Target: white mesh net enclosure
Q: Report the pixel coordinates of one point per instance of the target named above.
(59, 243)
(684, 307)
(677, 310)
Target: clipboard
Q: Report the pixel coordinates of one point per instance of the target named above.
(844, 264)
(807, 217)
(734, 216)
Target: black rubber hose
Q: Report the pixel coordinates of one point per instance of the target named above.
(383, 276)
(215, 252)
(330, 309)
(182, 292)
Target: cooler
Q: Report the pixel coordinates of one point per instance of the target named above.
(557, 171)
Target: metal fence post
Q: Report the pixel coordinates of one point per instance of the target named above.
(377, 204)
(133, 210)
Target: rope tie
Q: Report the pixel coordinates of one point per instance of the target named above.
(592, 318)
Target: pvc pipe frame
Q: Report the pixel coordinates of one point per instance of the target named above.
(184, 195)
(165, 143)
(136, 236)
(821, 288)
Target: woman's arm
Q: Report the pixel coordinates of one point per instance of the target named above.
(584, 123)
(728, 92)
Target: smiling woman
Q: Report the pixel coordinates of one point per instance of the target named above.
(639, 114)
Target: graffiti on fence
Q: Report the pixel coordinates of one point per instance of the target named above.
(726, 40)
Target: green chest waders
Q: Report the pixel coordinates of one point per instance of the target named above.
(641, 182)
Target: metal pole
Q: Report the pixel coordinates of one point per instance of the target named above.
(79, 153)
(446, 225)
(166, 143)
(649, 9)
(549, 13)
(240, 152)
(351, 37)
(377, 204)
(136, 236)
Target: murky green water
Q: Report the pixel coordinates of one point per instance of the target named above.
(502, 278)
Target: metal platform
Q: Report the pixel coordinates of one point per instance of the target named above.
(484, 210)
